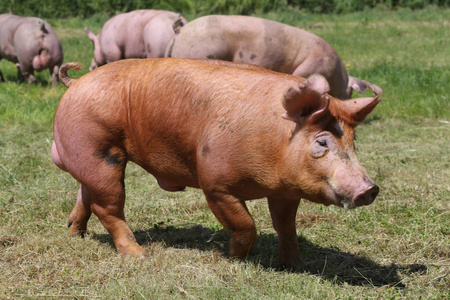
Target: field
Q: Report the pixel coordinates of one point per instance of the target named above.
(396, 248)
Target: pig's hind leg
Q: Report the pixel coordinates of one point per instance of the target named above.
(107, 195)
(102, 191)
(81, 213)
(25, 72)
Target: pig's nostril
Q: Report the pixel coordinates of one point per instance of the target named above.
(368, 196)
(374, 193)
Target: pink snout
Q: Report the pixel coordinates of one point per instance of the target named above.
(367, 196)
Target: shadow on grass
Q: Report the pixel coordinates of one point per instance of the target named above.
(329, 263)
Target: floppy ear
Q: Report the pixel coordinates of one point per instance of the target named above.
(359, 108)
(357, 84)
(308, 100)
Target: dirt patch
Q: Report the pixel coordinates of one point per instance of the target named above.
(7, 241)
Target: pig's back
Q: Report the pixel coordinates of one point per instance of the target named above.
(183, 99)
(125, 32)
(182, 87)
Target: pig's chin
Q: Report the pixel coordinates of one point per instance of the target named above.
(337, 199)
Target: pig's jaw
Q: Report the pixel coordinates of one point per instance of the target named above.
(347, 204)
(337, 199)
(365, 194)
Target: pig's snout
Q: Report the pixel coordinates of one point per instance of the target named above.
(367, 196)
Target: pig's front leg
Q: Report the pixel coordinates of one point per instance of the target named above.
(233, 214)
(283, 213)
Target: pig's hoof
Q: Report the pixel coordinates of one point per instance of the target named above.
(238, 250)
(293, 265)
(293, 268)
(141, 255)
(128, 246)
(76, 229)
(136, 251)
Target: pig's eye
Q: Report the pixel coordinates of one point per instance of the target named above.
(322, 143)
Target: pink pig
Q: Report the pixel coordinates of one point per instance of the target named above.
(265, 43)
(32, 44)
(141, 33)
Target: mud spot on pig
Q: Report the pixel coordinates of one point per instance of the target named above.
(253, 56)
(338, 130)
(112, 156)
(206, 150)
(241, 55)
(343, 155)
(210, 56)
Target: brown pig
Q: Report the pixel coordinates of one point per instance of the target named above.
(142, 33)
(265, 43)
(32, 44)
(236, 131)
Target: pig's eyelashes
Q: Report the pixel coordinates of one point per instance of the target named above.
(322, 143)
(319, 148)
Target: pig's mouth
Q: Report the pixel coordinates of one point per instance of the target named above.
(337, 198)
(365, 197)
(347, 204)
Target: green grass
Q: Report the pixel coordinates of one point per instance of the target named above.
(396, 248)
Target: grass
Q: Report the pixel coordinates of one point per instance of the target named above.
(397, 248)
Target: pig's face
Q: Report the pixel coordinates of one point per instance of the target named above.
(330, 171)
(332, 160)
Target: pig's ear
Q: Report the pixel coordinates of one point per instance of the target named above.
(359, 108)
(307, 100)
(90, 34)
(357, 84)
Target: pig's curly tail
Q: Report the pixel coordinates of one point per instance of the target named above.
(65, 79)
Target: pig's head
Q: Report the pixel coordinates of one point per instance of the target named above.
(98, 59)
(330, 171)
